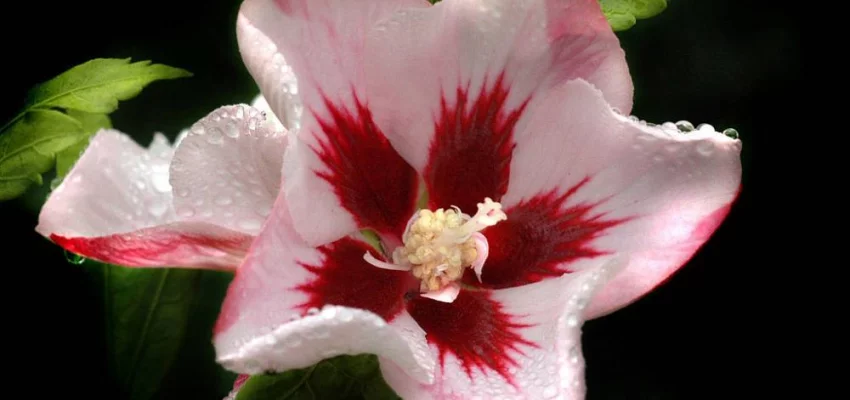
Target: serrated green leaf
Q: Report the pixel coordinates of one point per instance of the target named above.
(623, 14)
(40, 134)
(343, 377)
(91, 123)
(146, 312)
(28, 148)
(96, 86)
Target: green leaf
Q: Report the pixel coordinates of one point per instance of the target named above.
(91, 123)
(96, 86)
(146, 312)
(40, 134)
(28, 148)
(343, 377)
(623, 14)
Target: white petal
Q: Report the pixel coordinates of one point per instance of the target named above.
(551, 369)
(115, 206)
(227, 170)
(672, 189)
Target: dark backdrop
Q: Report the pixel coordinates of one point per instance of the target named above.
(726, 62)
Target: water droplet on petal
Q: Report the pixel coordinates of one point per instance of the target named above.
(685, 126)
(240, 113)
(183, 192)
(345, 315)
(157, 209)
(574, 355)
(705, 127)
(185, 212)
(231, 130)
(215, 136)
(572, 320)
(705, 148)
(250, 224)
(74, 258)
(223, 201)
(731, 132)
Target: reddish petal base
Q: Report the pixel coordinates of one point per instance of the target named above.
(345, 279)
(474, 329)
(370, 179)
(158, 247)
(540, 238)
(470, 156)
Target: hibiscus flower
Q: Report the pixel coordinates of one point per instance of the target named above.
(464, 189)
(198, 205)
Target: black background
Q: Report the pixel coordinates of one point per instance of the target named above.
(726, 62)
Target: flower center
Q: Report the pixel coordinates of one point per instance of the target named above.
(439, 245)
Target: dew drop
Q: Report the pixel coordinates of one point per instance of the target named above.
(574, 355)
(705, 148)
(240, 113)
(312, 311)
(74, 258)
(160, 183)
(731, 133)
(250, 224)
(345, 315)
(198, 130)
(140, 184)
(215, 136)
(157, 209)
(186, 212)
(684, 126)
(207, 213)
(223, 201)
(231, 130)
(572, 320)
(705, 128)
(183, 192)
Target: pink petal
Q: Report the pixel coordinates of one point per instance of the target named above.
(461, 77)
(525, 342)
(541, 238)
(292, 305)
(226, 171)
(327, 333)
(651, 192)
(340, 158)
(272, 121)
(115, 207)
(447, 294)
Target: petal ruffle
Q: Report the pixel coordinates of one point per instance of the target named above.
(546, 361)
(452, 84)
(115, 206)
(226, 171)
(340, 160)
(617, 186)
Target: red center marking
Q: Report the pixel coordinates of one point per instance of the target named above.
(470, 155)
(540, 238)
(345, 279)
(370, 179)
(473, 328)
